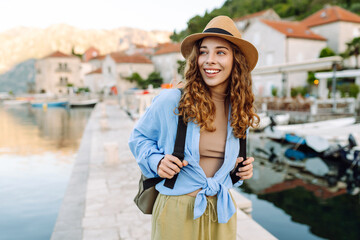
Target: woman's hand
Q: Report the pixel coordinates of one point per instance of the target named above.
(245, 172)
(169, 166)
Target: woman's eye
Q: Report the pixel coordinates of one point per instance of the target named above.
(202, 52)
(221, 53)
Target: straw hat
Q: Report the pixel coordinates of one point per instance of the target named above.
(224, 27)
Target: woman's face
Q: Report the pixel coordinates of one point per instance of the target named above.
(215, 62)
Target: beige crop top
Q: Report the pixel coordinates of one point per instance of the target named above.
(212, 144)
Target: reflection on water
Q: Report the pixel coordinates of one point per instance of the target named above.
(29, 130)
(37, 150)
(312, 205)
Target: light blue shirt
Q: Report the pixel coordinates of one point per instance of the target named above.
(154, 136)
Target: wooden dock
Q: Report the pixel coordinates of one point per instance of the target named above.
(98, 203)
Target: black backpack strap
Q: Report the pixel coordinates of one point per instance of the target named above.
(150, 182)
(178, 147)
(178, 152)
(242, 153)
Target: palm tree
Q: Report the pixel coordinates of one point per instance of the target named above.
(353, 49)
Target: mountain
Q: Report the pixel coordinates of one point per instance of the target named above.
(22, 43)
(20, 78)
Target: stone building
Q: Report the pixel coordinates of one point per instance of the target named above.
(166, 63)
(55, 71)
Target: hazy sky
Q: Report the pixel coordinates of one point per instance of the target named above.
(103, 14)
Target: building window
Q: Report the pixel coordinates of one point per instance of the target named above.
(256, 38)
(269, 58)
(62, 67)
(109, 69)
(63, 81)
(356, 32)
(300, 57)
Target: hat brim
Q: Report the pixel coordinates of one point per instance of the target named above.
(249, 51)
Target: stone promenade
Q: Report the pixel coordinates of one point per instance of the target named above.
(98, 203)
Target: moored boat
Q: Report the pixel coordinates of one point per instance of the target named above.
(15, 102)
(334, 130)
(86, 103)
(327, 124)
(265, 121)
(59, 103)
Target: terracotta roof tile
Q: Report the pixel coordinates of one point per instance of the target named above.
(257, 14)
(141, 45)
(100, 57)
(293, 29)
(123, 58)
(58, 54)
(168, 48)
(92, 49)
(90, 53)
(99, 70)
(329, 15)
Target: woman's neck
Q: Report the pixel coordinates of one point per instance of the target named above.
(217, 95)
(220, 88)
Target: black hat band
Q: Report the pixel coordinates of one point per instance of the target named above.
(217, 30)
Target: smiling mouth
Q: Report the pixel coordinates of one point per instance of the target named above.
(211, 71)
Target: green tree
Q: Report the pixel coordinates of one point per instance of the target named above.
(298, 90)
(83, 89)
(355, 7)
(351, 90)
(353, 49)
(311, 78)
(135, 77)
(155, 79)
(326, 52)
(175, 37)
(181, 67)
(74, 53)
(274, 91)
(354, 90)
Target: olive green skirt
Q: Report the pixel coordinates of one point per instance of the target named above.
(173, 219)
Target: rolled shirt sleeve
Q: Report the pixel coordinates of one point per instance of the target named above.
(154, 131)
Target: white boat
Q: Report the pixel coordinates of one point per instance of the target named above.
(15, 102)
(329, 124)
(265, 120)
(76, 103)
(49, 103)
(337, 130)
(338, 134)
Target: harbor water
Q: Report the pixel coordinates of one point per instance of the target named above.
(298, 199)
(37, 150)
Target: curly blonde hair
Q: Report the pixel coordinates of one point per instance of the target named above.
(196, 104)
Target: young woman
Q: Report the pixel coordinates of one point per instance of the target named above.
(217, 105)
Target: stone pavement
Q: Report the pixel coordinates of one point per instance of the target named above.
(98, 203)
